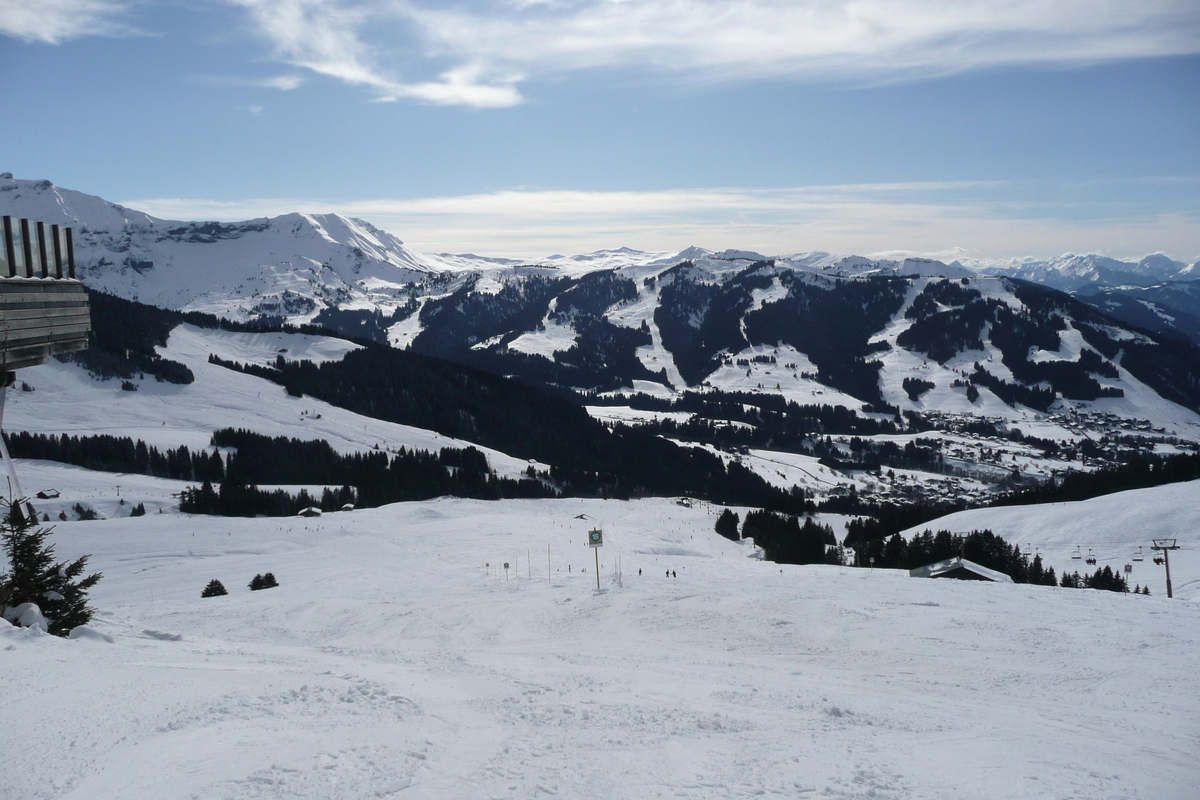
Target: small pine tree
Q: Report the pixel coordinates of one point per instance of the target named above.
(58, 589)
(266, 581)
(138, 511)
(214, 589)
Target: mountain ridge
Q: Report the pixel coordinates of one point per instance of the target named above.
(879, 336)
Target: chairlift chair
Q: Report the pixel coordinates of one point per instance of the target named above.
(1091, 559)
(1138, 555)
(1076, 555)
(1028, 550)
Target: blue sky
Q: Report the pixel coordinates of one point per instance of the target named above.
(975, 128)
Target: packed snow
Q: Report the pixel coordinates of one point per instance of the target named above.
(398, 657)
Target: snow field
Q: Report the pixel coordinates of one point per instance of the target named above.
(391, 662)
(1111, 527)
(166, 415)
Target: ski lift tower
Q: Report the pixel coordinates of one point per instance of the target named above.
(1166, 545)
(43, 309)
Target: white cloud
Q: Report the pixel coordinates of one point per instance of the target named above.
(481, 49)
(324, 36)
(55, 21)
(938, 219)
(807, 38)
(285, 83)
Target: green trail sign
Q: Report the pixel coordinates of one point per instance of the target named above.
(596, 538)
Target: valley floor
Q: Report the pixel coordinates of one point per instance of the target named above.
(397, 659)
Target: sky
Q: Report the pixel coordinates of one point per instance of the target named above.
(972, 129)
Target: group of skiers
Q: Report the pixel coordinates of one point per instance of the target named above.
(670, 573)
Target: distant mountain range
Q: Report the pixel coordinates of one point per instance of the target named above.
(816, 328)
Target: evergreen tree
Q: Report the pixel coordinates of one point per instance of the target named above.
(264, 581)
(214, 589)
(727, 525)
(59, 589)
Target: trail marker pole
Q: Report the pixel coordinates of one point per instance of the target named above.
(1166, 545)
(596, 541)
(548, 579)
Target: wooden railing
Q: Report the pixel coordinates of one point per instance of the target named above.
(44, 309)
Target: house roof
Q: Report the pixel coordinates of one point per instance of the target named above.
(959, 567)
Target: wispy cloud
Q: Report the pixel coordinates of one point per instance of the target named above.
(56, 21)
(808, 38)
(980, 220)
(284, 83)
(326, 37)
(482, 50)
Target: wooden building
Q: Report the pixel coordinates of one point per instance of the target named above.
(43, 307)
(44, 310)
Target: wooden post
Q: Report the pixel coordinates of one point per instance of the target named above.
(71, 253)
(596, 550)
(41, 239)
(27, 248)
(56, 235)
(10, 247)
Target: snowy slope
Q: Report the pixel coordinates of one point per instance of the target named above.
(1112, 528)
(66, 400)
(391, 662)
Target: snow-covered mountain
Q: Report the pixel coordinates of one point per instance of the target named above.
(1166, 307)
(289, 266)
(816, 328)
(296, 265)
(1071, 272)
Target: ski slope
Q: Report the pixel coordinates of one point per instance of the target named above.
(396, 660)
(1111, 528)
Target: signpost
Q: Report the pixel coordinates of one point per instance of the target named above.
(44, 310)
(596, 541)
